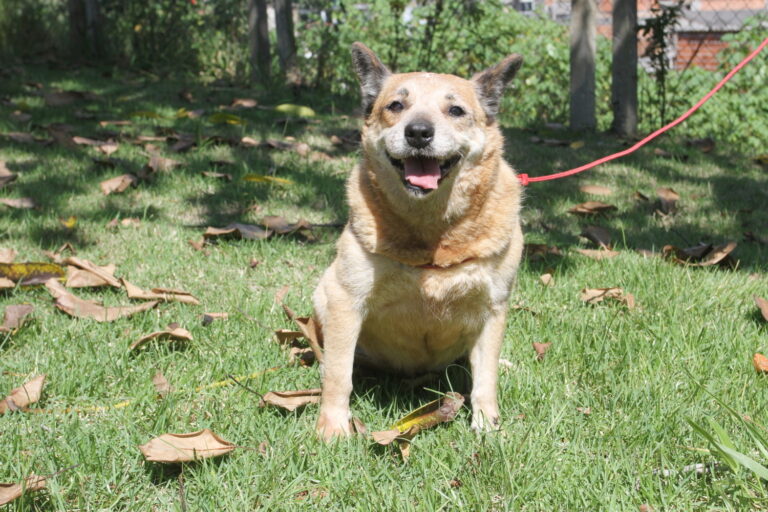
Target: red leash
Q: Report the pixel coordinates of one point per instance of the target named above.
(525, 179)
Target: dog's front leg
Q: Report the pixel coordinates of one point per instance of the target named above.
(340, 332)
(484, 359)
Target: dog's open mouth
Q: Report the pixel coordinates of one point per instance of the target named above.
(423, 174)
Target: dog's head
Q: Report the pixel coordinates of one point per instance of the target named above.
(424, 128)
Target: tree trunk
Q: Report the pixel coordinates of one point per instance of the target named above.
(258, 40)
(85, 34)
(286, 41)
(583, 14)
(624, 68)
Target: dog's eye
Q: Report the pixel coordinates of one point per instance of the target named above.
(456, 111)
(395, 106)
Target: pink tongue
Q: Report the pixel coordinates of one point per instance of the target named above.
(422, 172)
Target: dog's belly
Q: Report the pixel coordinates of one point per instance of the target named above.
(424, 320)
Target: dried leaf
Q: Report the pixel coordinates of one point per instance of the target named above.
(159, 163)
(208, 318)
(599, 254)
(21, 203)
(15, 316)
(311, 330)
(260, 178)
(239, 103)
(302, 356)
(23, 396)
(762, 304)
(118, 184)
(760, 362)
(286, 336)
(175, 448)
(668, 199)
(547, 279)
(78, 307)
(591, 208)
(596, 190)
(282, 227)
(159, 294)
(291, 400)
(295, 110)
(702, 255)
(6, 176)
(30, 273)
(11, 492)
(7, 255)
(161, 384)
(106, 273)
(586, 411)
(126, 222)
(6, 284)
(238, 231)
(597, 235)
(541, 349)
(118, 122)
(172, 333)
(640, 196)
(595, 295)
(536, 252)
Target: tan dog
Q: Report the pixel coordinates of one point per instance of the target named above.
(426, 262)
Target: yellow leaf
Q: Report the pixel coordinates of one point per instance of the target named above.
(438, 411)
(30, 273)
(70, 222)
(147, 114)
(225, 118)
(577, 144)
(259, 178)
(295, 110)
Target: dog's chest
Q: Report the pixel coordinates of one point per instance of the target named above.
(421, 319)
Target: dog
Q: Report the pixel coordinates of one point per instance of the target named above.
(426, 262)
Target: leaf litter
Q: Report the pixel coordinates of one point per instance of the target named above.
(173, 332)
(15, 316)
(11, 492)
(159, 294)
(81, 308)
(595, 295)
(187, 447)
(291, 400)
(23, 396)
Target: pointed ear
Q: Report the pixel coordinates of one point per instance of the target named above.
(490, 84)
(371, 72)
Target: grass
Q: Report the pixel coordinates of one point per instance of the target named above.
(631, 368)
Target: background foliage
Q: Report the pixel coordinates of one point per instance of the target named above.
(209, 39)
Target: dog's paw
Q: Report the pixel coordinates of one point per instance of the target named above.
(333, 424)
(485, 422)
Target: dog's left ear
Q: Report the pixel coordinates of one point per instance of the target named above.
(371, 72)
(490, 84)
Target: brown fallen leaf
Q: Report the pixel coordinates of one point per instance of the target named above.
(595, 295)
(172, 333)
(536, 252)
(586, 411)
(126, 222)
(291, 400)
(159, 294)
(282, 227)
(118, 184)
(6, 284)
(598, 235)
(762, 304)
(591, 208)
(760, 362)
(668, 199)
(77, 307)
(596, 190)
(238, 231)
(301, 355)
(599, 254)
(702, 255)
(30, 273)
(15, 316)
(547, 279)
(208, 318)
(311, 330)
(159, 163)
(287, 336)
(23, 396)
(22, 203)
(240, 103)
(640, 196)
(6, 176)
(79, 278)
(11, 492)
(161, 384)
(434, 413)
(105, 273)
(117, 122)
(176, 448)
(541, 349)
(7, 255)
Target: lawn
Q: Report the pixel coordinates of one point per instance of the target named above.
(600, 423)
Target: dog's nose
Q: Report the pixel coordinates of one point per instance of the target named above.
(419, 133)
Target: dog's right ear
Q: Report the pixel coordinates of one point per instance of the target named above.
(371, 72)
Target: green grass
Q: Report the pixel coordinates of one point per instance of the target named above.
(631, 368)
